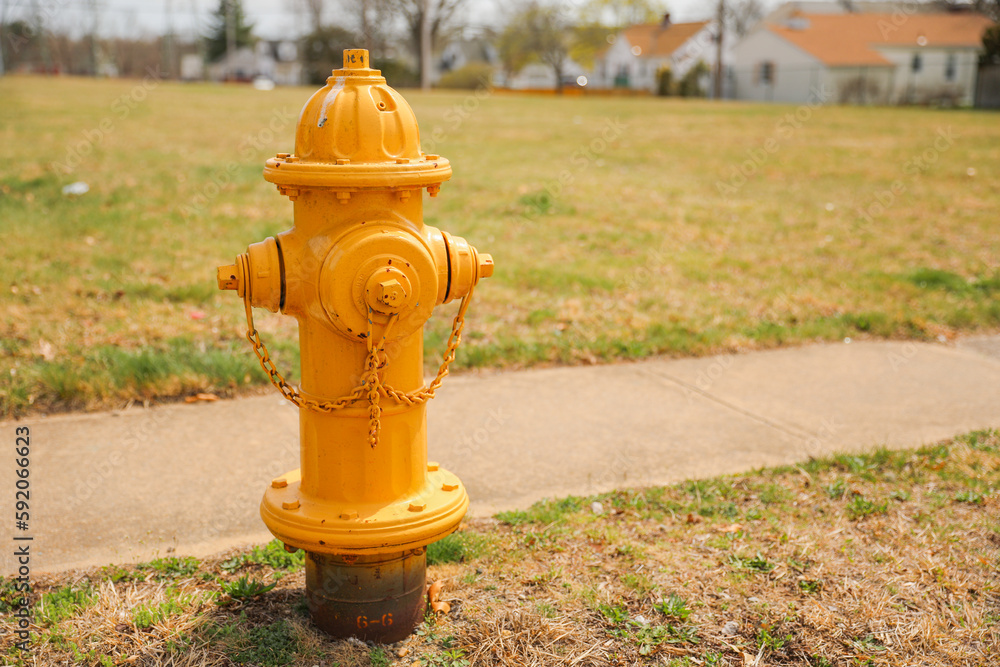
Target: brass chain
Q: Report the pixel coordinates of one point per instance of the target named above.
(371, 387)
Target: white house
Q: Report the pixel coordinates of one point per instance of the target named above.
(865, 58)
(541, 76)
(277, 60)
(638, 53)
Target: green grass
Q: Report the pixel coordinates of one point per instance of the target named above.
(456, 548)
(171, 567)
(272, 554)
(64, 603)
(603, 252)
(270, 645)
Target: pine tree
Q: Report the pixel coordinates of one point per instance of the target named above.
(217, 39)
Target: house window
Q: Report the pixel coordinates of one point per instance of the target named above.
(949, 67)
(917, 63)
(767, 72)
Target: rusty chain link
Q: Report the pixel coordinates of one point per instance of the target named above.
(371, 387)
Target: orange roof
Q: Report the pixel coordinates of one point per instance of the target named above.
(655, 40)
(849, 39)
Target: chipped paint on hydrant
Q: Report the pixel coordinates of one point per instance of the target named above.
(361, 273)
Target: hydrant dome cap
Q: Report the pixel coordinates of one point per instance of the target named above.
(357, 132)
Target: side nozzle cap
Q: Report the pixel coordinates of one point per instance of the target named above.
(228, 277)
(485, 265)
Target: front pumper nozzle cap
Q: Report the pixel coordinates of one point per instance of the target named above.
(358, 133)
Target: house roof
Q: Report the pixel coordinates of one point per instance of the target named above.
(655, 40)
(853, 39)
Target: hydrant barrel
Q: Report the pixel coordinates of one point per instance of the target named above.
(361, 273)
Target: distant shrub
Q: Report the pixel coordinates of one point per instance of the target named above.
(397, 74)
(469, 77)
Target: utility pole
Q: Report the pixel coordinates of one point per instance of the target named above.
(3, 34)
(425, 46)
(230, 36)
(366, 31)
(43, 42)
(168, 42)
(94, 21)
(720, 19)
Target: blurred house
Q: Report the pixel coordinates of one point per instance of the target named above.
(638, 53)
(465, 51)
(276, 60)
(786, 10)
(861, 58)
(540, 76)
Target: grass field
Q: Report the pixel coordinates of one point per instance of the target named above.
(620, 228)
(885, 559)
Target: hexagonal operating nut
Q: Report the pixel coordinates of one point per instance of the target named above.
(391, 293)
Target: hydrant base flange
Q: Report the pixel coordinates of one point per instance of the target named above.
(316, 526)
(374, 598)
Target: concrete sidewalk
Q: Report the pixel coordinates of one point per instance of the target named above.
(187, 479)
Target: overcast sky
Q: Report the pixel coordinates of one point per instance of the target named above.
(272, 19)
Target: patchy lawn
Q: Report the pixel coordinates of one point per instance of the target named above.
(885, 559)
(621, 228)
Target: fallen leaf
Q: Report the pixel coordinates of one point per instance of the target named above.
(197, 314)
(46, 350)
(201, 397)
(732, 528)
(691, 518)
(433, 598)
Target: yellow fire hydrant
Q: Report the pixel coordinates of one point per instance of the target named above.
(361, 273)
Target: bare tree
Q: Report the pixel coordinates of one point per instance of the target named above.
(735, 19)
(537, 32)
(372, 21)
(443, 18)
(622, 13)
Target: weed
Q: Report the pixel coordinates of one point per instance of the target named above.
(615, 614)
(757, 563)
(170, 568)
(640, 583)
(379, 657)
(810, 586)
(970, 496)
(10, 596)
(117, 573)
(770, 642)
(773, 494)
(868, 644)
(272, 554)
(835, 490)
(450, 657)
(64, 603)
(244, 587)
(147, 615)
(859, 507)
(673, 606)
(270, 645)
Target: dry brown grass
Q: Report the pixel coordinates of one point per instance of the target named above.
(888, 559)
(603, 251)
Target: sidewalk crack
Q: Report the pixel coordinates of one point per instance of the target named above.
(784, 428)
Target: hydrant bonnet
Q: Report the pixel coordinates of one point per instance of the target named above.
(357, 132)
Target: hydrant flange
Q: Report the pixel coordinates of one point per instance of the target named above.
(371, 528)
